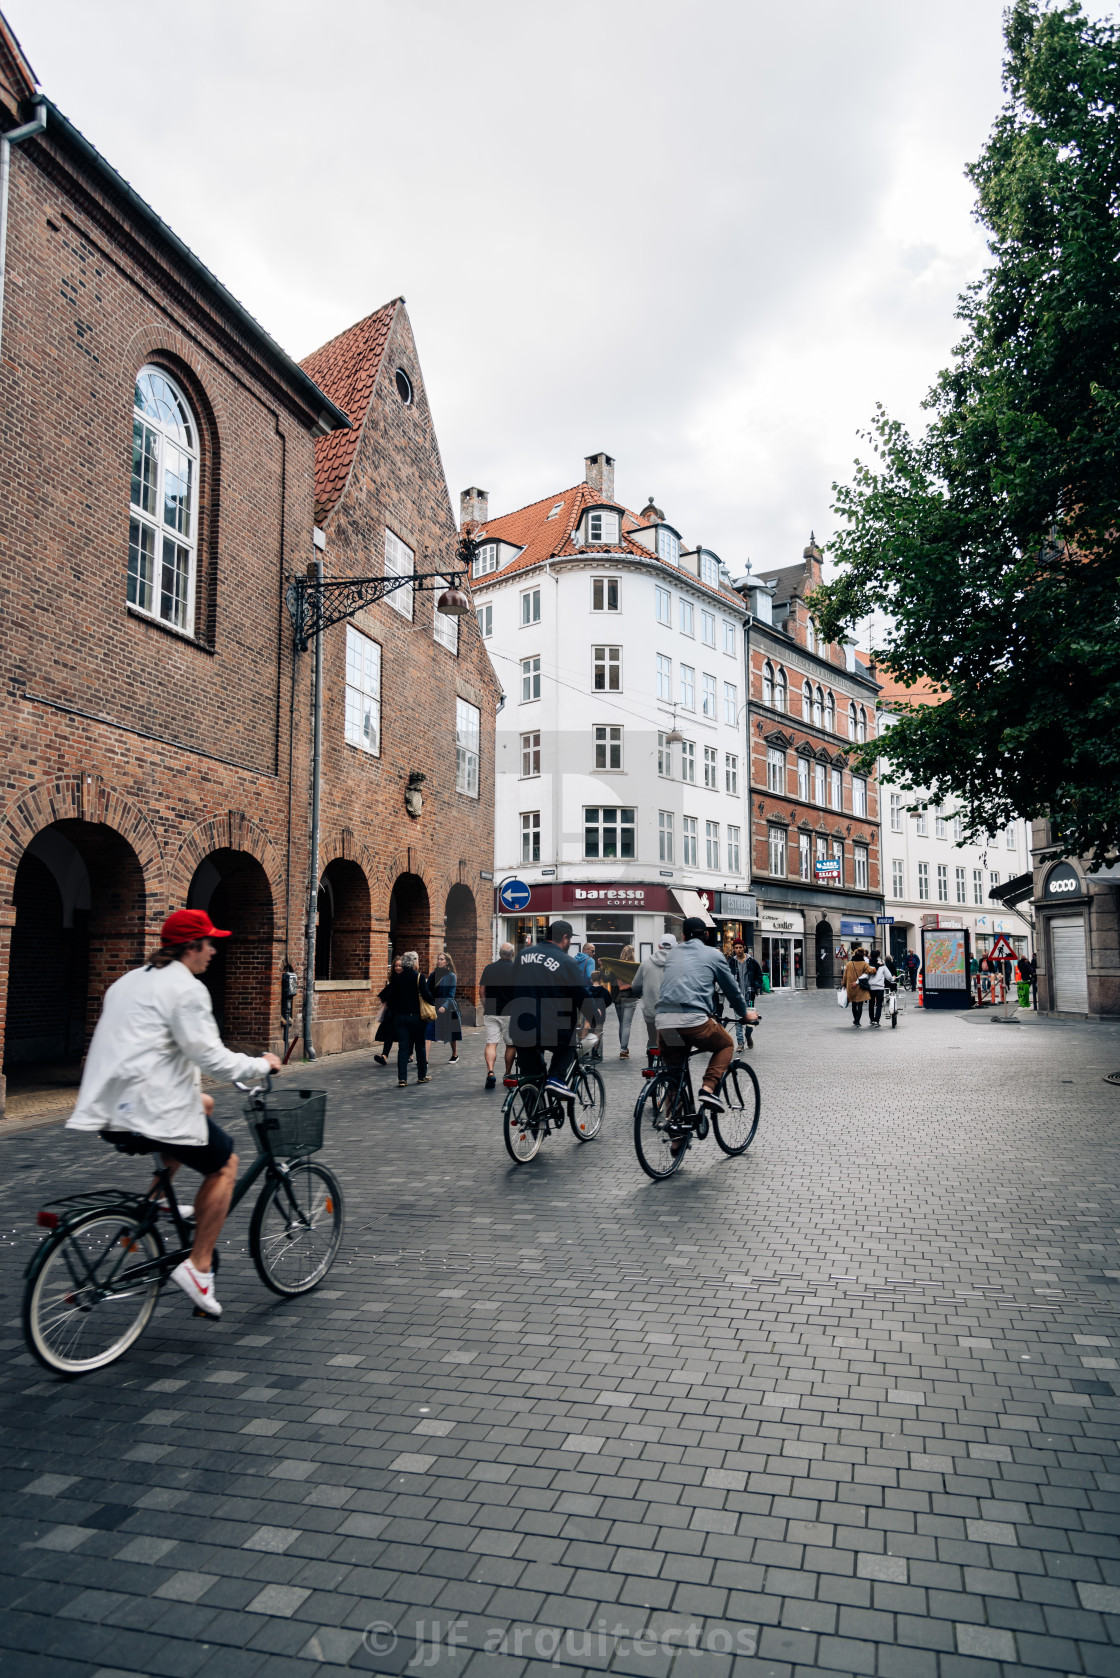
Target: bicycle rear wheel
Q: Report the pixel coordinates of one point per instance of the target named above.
(654, 1132)
(742, 1102)
(590, 1104)
(294, 1239)
(524, 1131)
(79, 1313)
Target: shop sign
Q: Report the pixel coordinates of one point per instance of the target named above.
(1062, 883)
(548, 898)
(738, 906)
(632, 896)
(827, 868)
(775, 921)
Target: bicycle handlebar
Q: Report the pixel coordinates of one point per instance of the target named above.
(263, 1088)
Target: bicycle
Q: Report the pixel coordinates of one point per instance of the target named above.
(894, 1003)
(530, 1112)
(666, 1119)
(86, 1302)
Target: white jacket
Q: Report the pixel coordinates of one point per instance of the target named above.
(142, 1072)
(878, 979)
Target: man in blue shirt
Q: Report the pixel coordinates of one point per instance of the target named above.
(684, 1014)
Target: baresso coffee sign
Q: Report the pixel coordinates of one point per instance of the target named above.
(549, 899)
(1062, 883)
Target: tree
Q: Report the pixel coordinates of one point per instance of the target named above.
(992, 542)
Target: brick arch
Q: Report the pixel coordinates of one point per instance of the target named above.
(399, 863)
(341, 843)
(84, 798)
(164, 343)
(230, 831)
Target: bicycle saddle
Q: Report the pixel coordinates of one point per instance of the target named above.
(128, 1142)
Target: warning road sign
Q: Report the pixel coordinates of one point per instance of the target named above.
(1002, 949)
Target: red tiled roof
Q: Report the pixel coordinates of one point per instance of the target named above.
(346, 370)
(541, 538)
(922, 692)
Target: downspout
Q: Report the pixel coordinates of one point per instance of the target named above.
(10, 139)
(315, 578)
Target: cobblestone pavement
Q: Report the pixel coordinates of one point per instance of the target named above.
(845, 1404)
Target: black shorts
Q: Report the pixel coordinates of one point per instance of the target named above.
(210, 1157)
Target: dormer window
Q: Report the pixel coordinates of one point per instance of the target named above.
(668, 545)
(709, 569)
(602, 527)
(486, 560)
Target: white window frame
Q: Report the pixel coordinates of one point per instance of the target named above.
(921, 822)
(923, 882)
(804, 857)
(707, 628)
(530, 607)
(668, 545)
(961, 885)
(400, 561)
(609, 661)
(731, 773)
(530, 836)
(730, 639)
(606, 741)
(708, 701)
(690, 841)
(897, 823)
(605, 595)
(362, 723)
(688, 761)
(820, 784)
(775, 770)
(734, 858)
(602, 819)
(665, 678)
(468, 742)
(836, 789)
(898, 878)
(688, 687)
(530, 755)
(859, 795)
(768, 684)
(530, 679)
(781, 690)
(485, 560)
(663, 605)
(711, 768)
(943, 882)
(978, 885)
(711, 845)
(730, 704)
(665, 835)
(602, 526)
(776, 850)
(485, 616)
(862, 865)
(664, 755)
(709, 570)
(686, 618)
(804, 778)
(940, 828)
(163, 551)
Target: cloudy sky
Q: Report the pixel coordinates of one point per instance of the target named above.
(704, 236)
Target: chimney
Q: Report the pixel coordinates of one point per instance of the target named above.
(474, 507)
(599, 475)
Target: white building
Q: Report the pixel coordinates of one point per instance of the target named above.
(931, 879)
(609, 637)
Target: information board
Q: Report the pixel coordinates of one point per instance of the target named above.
(945, 966)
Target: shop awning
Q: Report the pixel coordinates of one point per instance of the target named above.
(691, 904)
(1013, 891)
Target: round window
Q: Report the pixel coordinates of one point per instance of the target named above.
(404, 386)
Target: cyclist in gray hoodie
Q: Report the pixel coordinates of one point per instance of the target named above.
(684, 1002)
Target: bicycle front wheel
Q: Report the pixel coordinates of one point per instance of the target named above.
(79, 1310)
(654, 1132)
(296, 1228)
(524, 1131)
(735, 1126)
(590, 1104)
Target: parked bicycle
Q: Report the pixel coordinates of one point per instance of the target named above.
(93, 1283)
(531, 1112)
(667, 1122)
(894, 1003)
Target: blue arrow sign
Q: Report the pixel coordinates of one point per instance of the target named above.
(514, 895)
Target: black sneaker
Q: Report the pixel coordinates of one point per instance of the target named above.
(491, 1081)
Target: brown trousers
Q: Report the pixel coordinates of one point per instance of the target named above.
(676, 1042)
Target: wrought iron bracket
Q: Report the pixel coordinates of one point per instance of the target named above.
(315, 606)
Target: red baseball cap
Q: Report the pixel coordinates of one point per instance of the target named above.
(187, 925)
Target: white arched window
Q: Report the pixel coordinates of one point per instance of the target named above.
(163, 522)
(807, 702)
(861, 729)
(852, 725)
(830, 713)
(818, 707)
(768, 684)
(780, 689)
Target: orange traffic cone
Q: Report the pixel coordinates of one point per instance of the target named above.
(921, 989)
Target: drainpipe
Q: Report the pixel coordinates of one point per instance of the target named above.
(315, 577)
(10, 139)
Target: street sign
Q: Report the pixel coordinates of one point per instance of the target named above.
(514, 895)
(884, 920)
(1002, 949)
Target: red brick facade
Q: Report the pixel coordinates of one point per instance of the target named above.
(392, 880)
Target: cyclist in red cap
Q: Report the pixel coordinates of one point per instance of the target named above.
(141, 1087)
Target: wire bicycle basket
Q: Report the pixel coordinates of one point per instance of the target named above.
(294, 1120)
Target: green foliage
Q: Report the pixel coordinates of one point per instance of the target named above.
(992, 541)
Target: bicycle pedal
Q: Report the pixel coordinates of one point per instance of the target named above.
(702, 1128)
(205, 1315)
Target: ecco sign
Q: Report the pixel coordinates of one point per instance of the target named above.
(1063, 881)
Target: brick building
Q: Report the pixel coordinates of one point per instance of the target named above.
(409, 697)
(815, 841)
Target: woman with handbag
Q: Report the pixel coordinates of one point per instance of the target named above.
(408, 1002)
(857, 982)
(447, 1027)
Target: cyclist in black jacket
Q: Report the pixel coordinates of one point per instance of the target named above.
(548, 992)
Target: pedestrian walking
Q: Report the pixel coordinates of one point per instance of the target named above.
(402, 997)
(647, 985)
(625, 1005)
(1023, 981)
(447, 1027)
(877, 988)
(857, 983)
(748, 976)
(495, 985)
(1034, 981)
(912, 965)
(386, 1031)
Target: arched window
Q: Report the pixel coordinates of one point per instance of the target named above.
(830, 713)
(768, 684)
(807, 702)
(852, 725)
(810, 636)
(861, 730)
(163, 522)
(818, 707)
(780, 689)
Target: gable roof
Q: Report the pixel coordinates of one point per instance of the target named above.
(541, 538)
(346, 369)
(18, 80)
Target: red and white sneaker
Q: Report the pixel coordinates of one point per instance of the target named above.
(198, 1288)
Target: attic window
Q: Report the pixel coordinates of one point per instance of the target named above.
(602, 527)
(709, 570)
(555, 510)
(404, 386)
(486, 560)
(668, 545)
